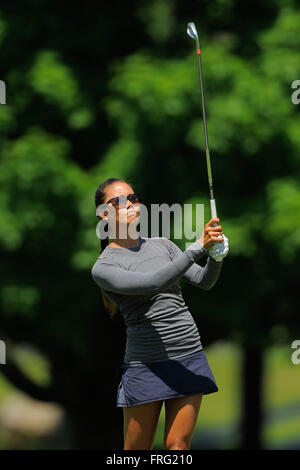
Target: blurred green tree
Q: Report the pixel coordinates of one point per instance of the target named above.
(97, 95)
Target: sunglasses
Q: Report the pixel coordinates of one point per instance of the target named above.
(121, 201)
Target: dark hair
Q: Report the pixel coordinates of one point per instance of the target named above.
(110, 306)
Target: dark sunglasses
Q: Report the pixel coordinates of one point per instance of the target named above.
(121, 201)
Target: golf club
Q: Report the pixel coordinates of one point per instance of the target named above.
(192, 32)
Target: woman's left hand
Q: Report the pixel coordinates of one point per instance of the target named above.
(219, 250)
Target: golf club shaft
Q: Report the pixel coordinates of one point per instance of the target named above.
(209, 173)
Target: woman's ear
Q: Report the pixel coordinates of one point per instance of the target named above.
(104, 215)
(101, 213)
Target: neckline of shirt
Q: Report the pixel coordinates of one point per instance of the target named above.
(136, 248)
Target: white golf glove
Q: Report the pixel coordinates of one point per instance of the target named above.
(219, 250)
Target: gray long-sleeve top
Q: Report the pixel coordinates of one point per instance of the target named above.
(143, 281)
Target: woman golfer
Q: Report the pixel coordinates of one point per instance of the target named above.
(164, 358)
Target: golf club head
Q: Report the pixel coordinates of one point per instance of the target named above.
(191, 30)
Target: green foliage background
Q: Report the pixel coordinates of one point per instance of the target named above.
(114, 92)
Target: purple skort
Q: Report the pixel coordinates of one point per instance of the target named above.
(165, 379)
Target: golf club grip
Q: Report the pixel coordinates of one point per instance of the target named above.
(213, 209)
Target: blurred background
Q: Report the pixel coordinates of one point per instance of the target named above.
(112, 90)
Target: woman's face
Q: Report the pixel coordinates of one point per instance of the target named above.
(124, 215)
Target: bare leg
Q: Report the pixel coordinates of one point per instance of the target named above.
(181, 417)
(140, 423)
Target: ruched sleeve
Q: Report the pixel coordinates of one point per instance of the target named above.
(121, 281)
(204, 277)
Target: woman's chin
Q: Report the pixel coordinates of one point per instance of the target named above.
(133, 220)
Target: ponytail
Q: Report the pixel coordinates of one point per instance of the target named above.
(109, 305)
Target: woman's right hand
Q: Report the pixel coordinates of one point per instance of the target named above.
(210, 233)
